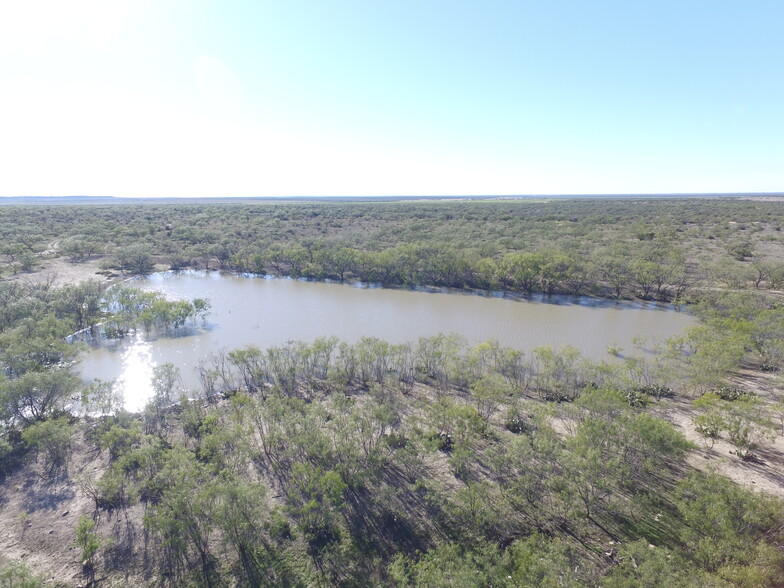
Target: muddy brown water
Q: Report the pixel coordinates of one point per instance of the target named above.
(267, 312)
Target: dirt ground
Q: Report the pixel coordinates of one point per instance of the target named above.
(57, 272)
(764, 472)
(39, 510)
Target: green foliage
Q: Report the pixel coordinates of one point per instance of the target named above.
(279, 527)
(560, 374)
(165, 378)
(37, 395)
(87, 539)
(135, 259)
(726, 522)
(128, 307)
(313, 499)
(36, 344)
(730, 393)
(119, 439)
(452, 565)
(317, 470)
(181, 513)
(112, 491)
(102, 398)
(18, 575)
(488, 392)
(540, 561)
(52, 439)
(515, 420)
(534, 561)
(747, 425)
(710, 422)
(643, 564)
(716, 350)
(745, 421)
(6, 452)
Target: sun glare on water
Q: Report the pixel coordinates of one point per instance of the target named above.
(136, 377)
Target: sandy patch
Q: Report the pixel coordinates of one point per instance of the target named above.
(58, 272)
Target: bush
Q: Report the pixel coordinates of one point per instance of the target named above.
(86, 538)
(656, 391)
(515, 424)
(395, 441)
(118, 439)
(515, 420)
(18, 575)
(278, 527)
(442, 441)
(730, 393)
(636, 399)
(112, 492)
(51, 438)
(6, 451)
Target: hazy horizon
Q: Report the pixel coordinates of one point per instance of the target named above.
(389, 197)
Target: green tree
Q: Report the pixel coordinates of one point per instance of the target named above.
(488, 392)
(52, 439)
(101, 397)
(182, 515)
(18, 575)
(135, 259)
(37, 395)
(452, 565)
(89, 542)
(747, 425)
(728, 526)
(643, 564)
(165, 378)
(710, 421)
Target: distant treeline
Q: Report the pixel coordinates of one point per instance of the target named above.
(615, 248)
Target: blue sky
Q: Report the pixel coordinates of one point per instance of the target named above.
(197, 98)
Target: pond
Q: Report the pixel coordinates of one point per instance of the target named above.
(267, 312)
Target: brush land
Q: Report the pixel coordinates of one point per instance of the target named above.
(423, 464)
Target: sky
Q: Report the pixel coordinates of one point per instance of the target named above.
(198, 98)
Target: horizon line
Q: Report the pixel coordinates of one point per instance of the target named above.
(402, 196)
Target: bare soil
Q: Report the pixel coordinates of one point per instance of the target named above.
(57, 271)
(764, 471)
(39, 510)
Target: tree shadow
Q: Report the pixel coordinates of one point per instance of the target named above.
(393, 526)
(47, 492)
(119, 554)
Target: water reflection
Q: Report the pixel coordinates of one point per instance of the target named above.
(135, 373)
(267, 312)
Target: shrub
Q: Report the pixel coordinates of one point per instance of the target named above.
(656, 391)
(730, 393)
(51, 438)
(87, 539)
(18, 575)
(636, 399)
(112, 492)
